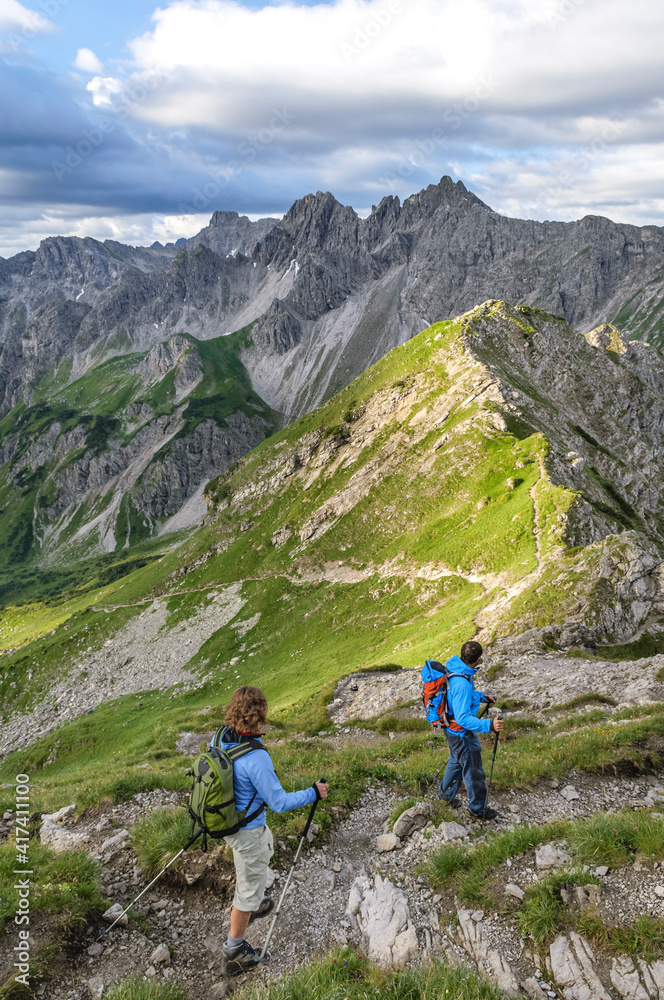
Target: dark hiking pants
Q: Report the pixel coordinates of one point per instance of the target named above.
(465, 764)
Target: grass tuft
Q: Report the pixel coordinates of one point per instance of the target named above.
(346, 975)
(159, 837)
(544, 914)
(66, 884)
(146, 989)
(467, 866)
(643, 939)
(615, 840)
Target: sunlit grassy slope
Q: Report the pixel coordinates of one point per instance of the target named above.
(373, 531)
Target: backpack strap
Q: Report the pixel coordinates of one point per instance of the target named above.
(245, 745)
(447, 717)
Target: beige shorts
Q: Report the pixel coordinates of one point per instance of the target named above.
(252, 850)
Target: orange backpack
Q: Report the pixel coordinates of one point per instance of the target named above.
(435, 689)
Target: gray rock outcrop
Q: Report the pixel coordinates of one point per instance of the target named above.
(472, 937)
(348, 289)
(573, 967)
(380, 911)
(412, 819)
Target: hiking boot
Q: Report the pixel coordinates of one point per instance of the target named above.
(454, 803)
(267, 905)
(488, 813)
(244, 958)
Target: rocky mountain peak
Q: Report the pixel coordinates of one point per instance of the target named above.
(448, 195)
(317, 222)
(230, 233)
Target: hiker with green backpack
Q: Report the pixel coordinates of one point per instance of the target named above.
(239, 814)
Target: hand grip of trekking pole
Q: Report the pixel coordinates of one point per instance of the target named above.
(312, 811)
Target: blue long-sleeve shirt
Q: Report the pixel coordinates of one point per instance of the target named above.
(254, 775)
(464, 700)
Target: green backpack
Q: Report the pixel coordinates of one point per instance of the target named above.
(212, 797)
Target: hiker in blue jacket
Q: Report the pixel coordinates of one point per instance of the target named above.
(256, 786)
(465, 761)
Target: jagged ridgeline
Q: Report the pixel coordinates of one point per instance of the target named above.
(120, 395)
(499, 472)
(99, 463)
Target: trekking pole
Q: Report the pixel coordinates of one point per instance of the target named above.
(493, 761)
(289, 876)
(104, 932)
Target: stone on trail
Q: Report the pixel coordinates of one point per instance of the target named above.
(453, 831)
(217, 991)
(570, 793)
(387, 842)
(659, 891)
(61, 814)
(381, 912)
(516, 891)
(412, 819)
(587, 896)
(548, 856)
(601, 870)
(96, 987)
(533, 988)
(214, 944)
(114, 843)
(113, 912)
(60, 839)
(161, 955)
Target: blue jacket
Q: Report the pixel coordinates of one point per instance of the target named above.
(254, 774)
(463, 700)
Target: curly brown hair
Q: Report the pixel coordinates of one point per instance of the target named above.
(247, 712)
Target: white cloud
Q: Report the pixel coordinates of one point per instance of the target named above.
(17, 18)
(88, 62)
(224, 64)
(19, 233)
(104, 89)
(367, 83)
(375, 97)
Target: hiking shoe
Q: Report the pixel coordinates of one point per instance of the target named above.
(454, 803)
(244, 958)
(488, 813)
(267, 905)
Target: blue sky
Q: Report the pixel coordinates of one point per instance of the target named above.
(135, 121)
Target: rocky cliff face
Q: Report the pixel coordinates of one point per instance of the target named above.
(333, 292)
(105, 461)
(229, 234)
